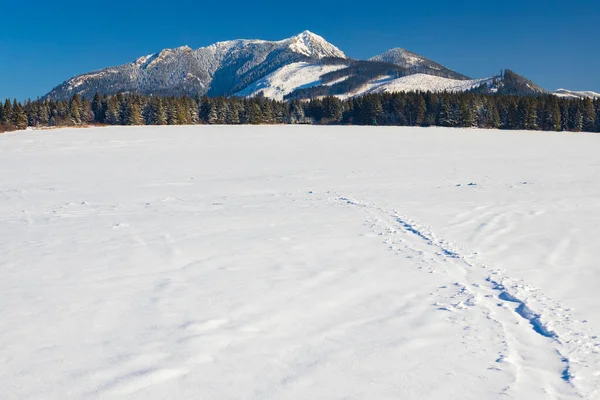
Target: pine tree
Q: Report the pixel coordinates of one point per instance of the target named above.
(232, 117)
(19, 118)
(98, 109)
(267, 112)
(515, 115)
(297, 112)
(160, 114)
(75, 108)
(134, 113)
(171, 109)
(467, 120)
(112, 114)
(182, 115)
(255, 114)
(530, 116)
(421, 110)
(332, 109)
(597, 115)
(589, 116)
(7, 115)
(204, 109)
(578, 121)
(212, 117)
(556, 117)
(447, 117)
(44, 114)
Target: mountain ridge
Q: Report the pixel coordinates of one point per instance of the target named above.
(302, 66)
(221, 68)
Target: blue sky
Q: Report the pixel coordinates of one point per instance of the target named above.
(554, 43)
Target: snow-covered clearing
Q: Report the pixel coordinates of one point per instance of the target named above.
(290, 262)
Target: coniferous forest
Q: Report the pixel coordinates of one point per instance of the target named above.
(470, 109)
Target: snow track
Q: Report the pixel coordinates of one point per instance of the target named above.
(479, 289)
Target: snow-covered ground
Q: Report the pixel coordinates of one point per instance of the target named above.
(293, 262)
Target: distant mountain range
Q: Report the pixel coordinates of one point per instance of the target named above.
(303, 66)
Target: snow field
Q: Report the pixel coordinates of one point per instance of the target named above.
(293, 262)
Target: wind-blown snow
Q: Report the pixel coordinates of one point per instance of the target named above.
(289, 78)
(299, 263)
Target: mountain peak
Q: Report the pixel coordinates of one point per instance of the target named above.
(313, 45)
(416, 63)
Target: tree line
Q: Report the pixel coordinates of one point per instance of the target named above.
(470, 109)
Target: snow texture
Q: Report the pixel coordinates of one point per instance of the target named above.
(289, 262)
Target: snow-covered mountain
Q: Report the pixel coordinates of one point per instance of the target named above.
(303, 66)
(417, 63)
(576, 95)
(223, 68)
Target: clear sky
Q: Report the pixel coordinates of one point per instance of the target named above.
(554, 43)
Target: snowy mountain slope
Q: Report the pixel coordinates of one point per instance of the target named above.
(416, 63)
(219, 69)
(419, 82)
(576, 95)
(287, 79)
(290, 262)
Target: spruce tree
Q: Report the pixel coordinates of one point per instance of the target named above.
(467, 120)
(589, 116)
(212, 117)
(19, 118)
(255, 114)
(160, 114)
(232, 117)
(421, 110)
(112, 116)
(75, 109)
(98, 109)
(133, 114)
(7, 114)
(530, 115)
(446, 117)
